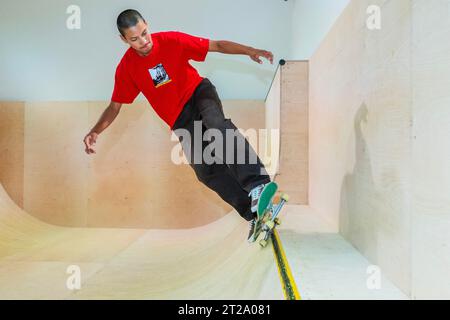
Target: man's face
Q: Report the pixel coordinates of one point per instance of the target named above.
(139, 38)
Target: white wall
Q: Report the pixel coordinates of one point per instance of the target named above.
(40, 59)
(311, 21)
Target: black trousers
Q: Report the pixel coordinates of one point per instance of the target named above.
(231, 179)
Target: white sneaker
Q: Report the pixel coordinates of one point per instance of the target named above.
(255, 194)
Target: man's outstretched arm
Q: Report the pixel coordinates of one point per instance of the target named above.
(105, 120)
(228, 47)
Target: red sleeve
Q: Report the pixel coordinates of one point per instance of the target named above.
(195, 48)
(125, 91)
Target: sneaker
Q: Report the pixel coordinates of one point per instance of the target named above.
(255, 194)
(255, 227)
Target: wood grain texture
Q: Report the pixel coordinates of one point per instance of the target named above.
(430, 185)
(360, 134)
(12, 148)
(294, 129)
(131, 182)
(183, 239)
(131, 263)
(287, 113)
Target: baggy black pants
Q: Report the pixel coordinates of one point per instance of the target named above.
(231, 180)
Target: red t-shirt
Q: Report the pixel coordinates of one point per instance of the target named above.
(165, 76)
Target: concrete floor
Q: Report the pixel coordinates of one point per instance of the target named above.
(324, 264)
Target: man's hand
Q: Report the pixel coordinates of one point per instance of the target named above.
(89, 142)
(255, 55)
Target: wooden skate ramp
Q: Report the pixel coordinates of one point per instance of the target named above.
(131, 182)
(136, 225)
(131, 222)
(209, 262)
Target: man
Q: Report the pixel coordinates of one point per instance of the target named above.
(158, 66)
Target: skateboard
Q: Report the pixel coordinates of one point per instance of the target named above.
(268, 211)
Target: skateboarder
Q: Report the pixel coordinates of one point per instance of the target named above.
(157, 64)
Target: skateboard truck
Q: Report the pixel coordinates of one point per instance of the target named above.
(270, 225)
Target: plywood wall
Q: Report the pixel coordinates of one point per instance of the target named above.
(56, 171)
(378, 139)
(12, 148)
(287, 114)
(430, 185)
(294, 127)
(360, 106)
(130, 182)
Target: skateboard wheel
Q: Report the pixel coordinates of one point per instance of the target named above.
(270, 225)
(277, 221)
(263, 243)
(285, 197)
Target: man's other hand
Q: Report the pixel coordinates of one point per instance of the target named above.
(256, 54)
(89, 142)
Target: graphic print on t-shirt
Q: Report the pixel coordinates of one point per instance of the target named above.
(159, 75)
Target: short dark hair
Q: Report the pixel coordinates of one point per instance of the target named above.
(127, 19)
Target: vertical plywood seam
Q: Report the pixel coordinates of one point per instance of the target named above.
(24, 162)
(307, 133)
(411, 153)
(22, 178)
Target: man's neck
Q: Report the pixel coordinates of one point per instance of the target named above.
(142, 54)
(145, 54)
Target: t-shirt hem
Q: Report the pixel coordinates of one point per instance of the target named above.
(183, 103)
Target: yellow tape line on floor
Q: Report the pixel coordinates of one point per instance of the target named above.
(284, 271)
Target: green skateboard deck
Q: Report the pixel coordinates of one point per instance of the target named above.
(268, 212)
(265, 200)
